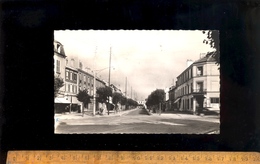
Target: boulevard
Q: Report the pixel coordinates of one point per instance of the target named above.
(136, 121)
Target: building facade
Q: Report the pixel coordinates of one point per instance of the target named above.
(71, 86)
(171, 104)
(86, 81)
(76, 77)
(59, 64)
(198, 86)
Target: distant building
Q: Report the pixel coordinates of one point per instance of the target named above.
(198, 86)
(115, 88)
(170, 105)
(141, 102)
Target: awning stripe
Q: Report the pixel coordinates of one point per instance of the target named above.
(61, 100)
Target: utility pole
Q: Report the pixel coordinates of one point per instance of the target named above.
(126, 92)
(94, 85)
(109, 67)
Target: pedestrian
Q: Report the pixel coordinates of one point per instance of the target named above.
(67, 108)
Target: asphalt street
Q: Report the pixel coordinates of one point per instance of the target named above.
(137, 121)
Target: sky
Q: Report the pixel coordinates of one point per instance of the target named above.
(145, 60)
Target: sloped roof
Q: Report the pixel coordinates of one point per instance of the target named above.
(62, 51)
(208, 58)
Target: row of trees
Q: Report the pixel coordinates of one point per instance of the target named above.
(103, 94)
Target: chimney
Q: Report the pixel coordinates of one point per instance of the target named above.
(189, 62)
(202, 55)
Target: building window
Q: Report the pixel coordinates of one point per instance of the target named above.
(68, 88)
(199, 71)
(57, 66)
(199, 87)
(74, 77)
(70, 75)
(58, 48)
(72, 62)
(191, 100)
(214, 100)
(67, 75)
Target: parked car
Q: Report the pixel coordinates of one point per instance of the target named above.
(206, 111)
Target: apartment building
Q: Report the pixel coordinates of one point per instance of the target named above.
(59, 64)
(71, 83)
(76, 77)
(86, 81)
(198, 86)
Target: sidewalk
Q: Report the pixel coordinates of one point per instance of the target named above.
(183, 115)
(68, 116)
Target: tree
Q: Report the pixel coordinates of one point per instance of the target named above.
(213, 41)
(132, 103)
(116, 97)
(58, 83)
(155, 97)
(123, 100)
(84, 97)
(103, 94)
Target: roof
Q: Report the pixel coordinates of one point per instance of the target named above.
(208, 58)
(62, 52)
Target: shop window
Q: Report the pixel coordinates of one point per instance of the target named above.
(214, 100)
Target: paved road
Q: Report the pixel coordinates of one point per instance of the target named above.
(139, 121)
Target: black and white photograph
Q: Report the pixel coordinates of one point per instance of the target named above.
(129, 76)
(136, 81)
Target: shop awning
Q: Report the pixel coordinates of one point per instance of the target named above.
(176, 100)
(61, 100)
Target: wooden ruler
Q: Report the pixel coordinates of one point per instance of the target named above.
(125, 157)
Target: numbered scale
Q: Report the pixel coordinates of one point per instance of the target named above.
(114, 157)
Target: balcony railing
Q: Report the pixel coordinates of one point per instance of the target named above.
(199, 90)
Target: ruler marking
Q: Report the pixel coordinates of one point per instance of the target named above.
(69, 157)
